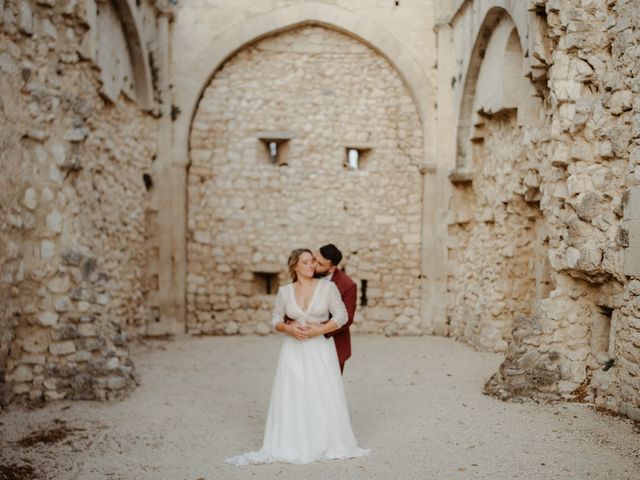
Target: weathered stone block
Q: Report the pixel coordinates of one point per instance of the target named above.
(21, 388)
(55, 395)
(588, 205)
(25, 18)
(112, 363)
(116, 383)
(632, 204)
(621, 101)
(66, 332)
(48, 319)
(62, 348)
(87, 330)
(22, 374)
(632, 261)
(54, 221)
(61, 283)
(63, 304)
(30, 199)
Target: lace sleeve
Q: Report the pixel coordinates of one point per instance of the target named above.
(278, 308)
(336, 305)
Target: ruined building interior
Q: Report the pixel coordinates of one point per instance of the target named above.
(477, 161)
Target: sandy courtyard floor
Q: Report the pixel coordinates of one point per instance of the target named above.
(415, 401)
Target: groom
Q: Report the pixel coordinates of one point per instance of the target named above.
(327, 260)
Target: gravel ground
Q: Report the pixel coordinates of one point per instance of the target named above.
(415, 401)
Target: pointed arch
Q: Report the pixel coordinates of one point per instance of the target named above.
(132, 27)
(189, 85)
(213, 55)
(513, 45)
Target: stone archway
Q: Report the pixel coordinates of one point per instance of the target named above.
(137, 49)
(496, 233)
(310, 94)
(220, 48)
(172, 165)
(97, 43)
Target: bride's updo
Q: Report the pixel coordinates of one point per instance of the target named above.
(294, 256)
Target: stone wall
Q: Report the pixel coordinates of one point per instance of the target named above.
(72, 204)
(495, 239)
(326, 92)
(578, 338)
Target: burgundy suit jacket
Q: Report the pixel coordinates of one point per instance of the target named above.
(349, 293)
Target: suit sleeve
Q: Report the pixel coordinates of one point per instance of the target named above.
(350, 299)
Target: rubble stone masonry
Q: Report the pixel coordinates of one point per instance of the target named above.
(323, 92)
(72, 207)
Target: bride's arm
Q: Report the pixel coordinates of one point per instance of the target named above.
(321, 329)
(278, 319)
(338, 312)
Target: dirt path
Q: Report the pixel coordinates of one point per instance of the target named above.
(415, 401)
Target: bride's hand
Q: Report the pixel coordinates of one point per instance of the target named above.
(299, 331)
(315, 330)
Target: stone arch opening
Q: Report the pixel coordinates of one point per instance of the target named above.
(508, 62)
(219, 49)
(322, 91)
(115, 41)
(496, 229)
(189, 84)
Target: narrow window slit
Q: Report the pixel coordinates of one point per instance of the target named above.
(363, 293)
(356, 157)
(274, 146)
(273, 152)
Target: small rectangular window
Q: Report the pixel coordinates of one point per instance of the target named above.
(274, 146)
(266, 282)
(356, 156)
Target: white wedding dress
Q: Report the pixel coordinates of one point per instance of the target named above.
(308, 417)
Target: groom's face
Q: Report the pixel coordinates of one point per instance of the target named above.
(323, 266)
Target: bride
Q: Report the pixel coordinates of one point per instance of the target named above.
(308, 417)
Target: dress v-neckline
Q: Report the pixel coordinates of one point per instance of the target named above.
(313, 296)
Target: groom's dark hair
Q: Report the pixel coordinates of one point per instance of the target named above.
(331, 253)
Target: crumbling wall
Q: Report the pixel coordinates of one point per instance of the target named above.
(580, 341)
(73, 203)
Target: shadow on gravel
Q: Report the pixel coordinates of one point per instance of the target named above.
(17, 472)
(47, 436)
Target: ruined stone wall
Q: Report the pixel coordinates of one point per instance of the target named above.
(494, 238)
(594, 86)
(327, 92)
(72, 206)
(580, 341)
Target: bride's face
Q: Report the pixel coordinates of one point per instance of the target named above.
(306, 265)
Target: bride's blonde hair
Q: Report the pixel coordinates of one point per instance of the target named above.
(294, 256)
